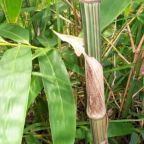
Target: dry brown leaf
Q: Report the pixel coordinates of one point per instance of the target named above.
(76, 42)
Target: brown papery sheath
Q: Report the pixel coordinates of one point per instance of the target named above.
(95, 89)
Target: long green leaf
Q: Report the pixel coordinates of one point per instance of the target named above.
(15, 75)
(14, 32)
(109, 10)
(12, 9)
(61, 104)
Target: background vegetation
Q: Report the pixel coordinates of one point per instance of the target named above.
(42, 83)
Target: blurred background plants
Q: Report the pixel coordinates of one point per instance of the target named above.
(27, 25)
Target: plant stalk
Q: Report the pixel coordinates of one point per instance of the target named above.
(91, 25)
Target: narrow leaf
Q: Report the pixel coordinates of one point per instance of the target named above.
(12, 9)
(61, 103)
(15, 75)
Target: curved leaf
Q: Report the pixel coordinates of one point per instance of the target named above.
(12, 9)
(15, 75)
(61, 104)
(14, 32)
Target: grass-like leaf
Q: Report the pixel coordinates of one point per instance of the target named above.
(15, 75)
(61, 103)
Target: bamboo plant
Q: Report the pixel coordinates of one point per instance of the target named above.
(90, 20)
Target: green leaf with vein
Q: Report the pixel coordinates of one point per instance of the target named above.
(35, 89)
(15, 33)
(12, 9)
(61, 103)
(15, 76)
(109, 10)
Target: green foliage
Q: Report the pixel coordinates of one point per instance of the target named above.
(35, 88)
(42, 81)
(15, 33)
(61, 103)
(12, 9)
(110, 11)
(120, 129)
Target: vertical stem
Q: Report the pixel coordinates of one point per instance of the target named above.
(90, 19)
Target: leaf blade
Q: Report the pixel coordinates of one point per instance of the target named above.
(120, 129)
(110, 10)
(35, 88)
(61, 103)
(15, 33)
(15, 75)
(12, 9)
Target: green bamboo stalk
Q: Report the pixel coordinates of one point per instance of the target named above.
(90, 19)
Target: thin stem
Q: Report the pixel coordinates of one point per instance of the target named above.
(131, 38)
(19, 44)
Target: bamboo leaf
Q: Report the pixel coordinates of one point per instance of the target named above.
(15, 75)
(109, 10)
(35, 89)
(12, 9)
(15, 33)
(61, 104)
